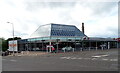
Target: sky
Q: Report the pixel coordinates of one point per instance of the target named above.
(100, 17)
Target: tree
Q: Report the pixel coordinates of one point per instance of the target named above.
(4, 43)
(0, 44)
(15, 38)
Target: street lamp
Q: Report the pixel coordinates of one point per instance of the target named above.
(13, 35)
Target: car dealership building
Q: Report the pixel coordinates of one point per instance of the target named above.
(62, 38)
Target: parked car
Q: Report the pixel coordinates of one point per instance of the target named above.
(67, 48)
(5, 53)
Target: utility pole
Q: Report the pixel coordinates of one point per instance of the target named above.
(13, 36)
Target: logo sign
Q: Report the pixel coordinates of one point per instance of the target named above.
(13, 46)
(118, 39)
(49, 46)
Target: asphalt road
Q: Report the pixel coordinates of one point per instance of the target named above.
(100, 60)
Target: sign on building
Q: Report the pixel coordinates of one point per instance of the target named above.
(13, 45)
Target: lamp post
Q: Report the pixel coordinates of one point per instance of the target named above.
(13, 35)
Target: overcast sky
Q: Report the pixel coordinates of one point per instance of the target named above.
(100, 18)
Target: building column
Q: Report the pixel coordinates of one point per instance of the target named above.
(108, 45)
(117, 44)
(35, 45)
(30, 44)
(42, 45)
(50, 47)
(96, 45)
(57, 43)
(57, 47)
(82, 45)
(75, 46)
(89, 45)
(46, 49)
(102, 45)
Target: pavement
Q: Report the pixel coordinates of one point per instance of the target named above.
(28, 53)
(100, 60)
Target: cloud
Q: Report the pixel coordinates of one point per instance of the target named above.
(37, 5)
(101, 8)
(100, 18)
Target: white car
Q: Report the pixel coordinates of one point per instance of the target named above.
(67, 48)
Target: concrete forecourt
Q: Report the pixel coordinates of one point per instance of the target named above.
(100, 60)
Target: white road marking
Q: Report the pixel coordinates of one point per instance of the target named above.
(105, 59)
(63, 57)
(19, 55)
(80, 58)
(68, 57)
(87, 58)
(94, 59)
(104, 55)
(13, 60)
(96, 56)
(113, 59)
(100, 56)
(74, 58)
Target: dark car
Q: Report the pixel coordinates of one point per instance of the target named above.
(5, 53)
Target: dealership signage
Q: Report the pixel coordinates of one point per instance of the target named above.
(13, 45)
(118, 39)
(49, 45)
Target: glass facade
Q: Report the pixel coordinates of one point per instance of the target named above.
(53, 38)
(42, 31)
(65, 30)
(50, 30)
(56, 31)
